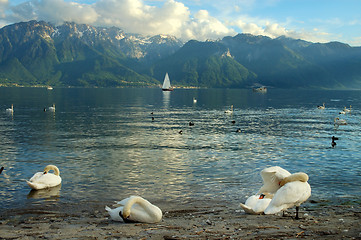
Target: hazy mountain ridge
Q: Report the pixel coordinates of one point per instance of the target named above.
(38, 53)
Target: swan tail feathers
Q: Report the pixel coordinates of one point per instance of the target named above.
(247, 209)
(34, 185)
(108, 208)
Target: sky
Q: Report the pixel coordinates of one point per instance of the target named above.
(310, 20)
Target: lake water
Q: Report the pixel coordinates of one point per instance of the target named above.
(107, 146)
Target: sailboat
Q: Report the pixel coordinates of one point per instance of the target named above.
(166, 84)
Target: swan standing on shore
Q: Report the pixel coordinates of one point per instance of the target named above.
(44, 179)
(135, 209)
(293, 192)
(272, 176)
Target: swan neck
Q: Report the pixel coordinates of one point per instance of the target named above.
(52, 167)
(133, 200)
(302, 177)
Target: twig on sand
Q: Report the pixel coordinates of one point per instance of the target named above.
(298, 234)
(263, 227)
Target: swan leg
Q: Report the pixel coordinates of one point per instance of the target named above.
(297, 208)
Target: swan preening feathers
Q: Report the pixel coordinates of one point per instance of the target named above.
(44, 179)
(289, 190)
(135, 209)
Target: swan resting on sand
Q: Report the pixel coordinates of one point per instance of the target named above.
(135, 209)
(256, 204)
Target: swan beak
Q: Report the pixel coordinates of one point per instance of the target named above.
(261, 196)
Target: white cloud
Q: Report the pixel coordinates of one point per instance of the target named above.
(171, 17)
(58, 11)
(203, 27)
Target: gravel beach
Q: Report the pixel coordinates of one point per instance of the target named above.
(194, 220)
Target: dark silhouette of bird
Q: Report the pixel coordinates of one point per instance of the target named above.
(1, 169)
(333, 143)
(191, 124)
(238, 130)
(180, 132)
(233, 121)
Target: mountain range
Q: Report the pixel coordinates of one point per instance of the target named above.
(37, 53)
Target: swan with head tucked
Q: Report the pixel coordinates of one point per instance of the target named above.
(293, 192)
(44, 179)
(135, 209)
(256, 204)
(272, 176)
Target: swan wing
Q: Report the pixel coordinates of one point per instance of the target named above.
(255, 205)
(247, 209)
(271, 177)
(152, 215)
(261, 205)
(36, 176)
(123, 202)
(44, 181)
(291, 194)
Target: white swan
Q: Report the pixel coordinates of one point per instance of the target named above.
(347, 110)
(135, 209)
(229, 110)
(338, 121)
(10, 110)
(52, 108)
(293, 192)
(272, 176)
(42, 180)
(194, 100)
(322, 106)
(256, 204)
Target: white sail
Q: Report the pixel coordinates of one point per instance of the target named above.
(166, 83)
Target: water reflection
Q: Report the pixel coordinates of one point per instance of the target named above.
(166, 99)
(47, 194)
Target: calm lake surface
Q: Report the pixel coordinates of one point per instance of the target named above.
(107, 146)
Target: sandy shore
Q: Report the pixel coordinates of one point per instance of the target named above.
(189, 221)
